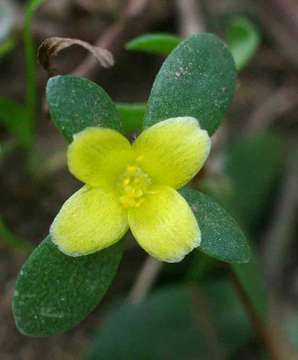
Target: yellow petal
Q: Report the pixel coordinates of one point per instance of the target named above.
(173, 151)
(164, 225)
(98, 155)
(90, 220)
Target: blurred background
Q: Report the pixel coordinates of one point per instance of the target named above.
(253, 172)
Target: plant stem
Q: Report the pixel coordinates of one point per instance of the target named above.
(145, 279)
(30, 64)
(117, 34)
(258, 325)
(280, 233)
(190, 17)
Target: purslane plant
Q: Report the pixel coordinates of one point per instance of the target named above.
(131, 185)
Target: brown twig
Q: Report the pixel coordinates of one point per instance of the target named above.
(278, 234)
(288, 10)
(190, 17)
(279, 18)
(258, 325)
(117, 34)
(278, 103)
(144, 280)
(204, 319)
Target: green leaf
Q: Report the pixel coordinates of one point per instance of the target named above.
(253, 166)
(32, 6)
(132, 116)
(197, 79)
(171, 324)
(162, 327)
(54, 292)
(243, 39)
(222, 237)
(157, 43)
(16, 119)
(76, 103)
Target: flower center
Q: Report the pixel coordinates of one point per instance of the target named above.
(134, 185)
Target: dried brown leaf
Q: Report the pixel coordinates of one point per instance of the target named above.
(51, 47)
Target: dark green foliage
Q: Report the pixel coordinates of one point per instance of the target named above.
(222, 237)
(54, 292)
(76, 103)
(197, 79)
(171, 324)
(158, 43)
(243, 39)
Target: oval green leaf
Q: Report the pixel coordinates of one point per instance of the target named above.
(158, 43)
(243, 39)
(173, 323)
(76, 103)
(197, 79)
(54, 292)
(162, 327)
(222, 237)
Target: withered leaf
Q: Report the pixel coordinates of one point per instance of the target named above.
(51, 47)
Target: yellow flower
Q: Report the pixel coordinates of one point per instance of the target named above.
(133, 186)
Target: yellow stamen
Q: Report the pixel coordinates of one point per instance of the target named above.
(133, 186)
